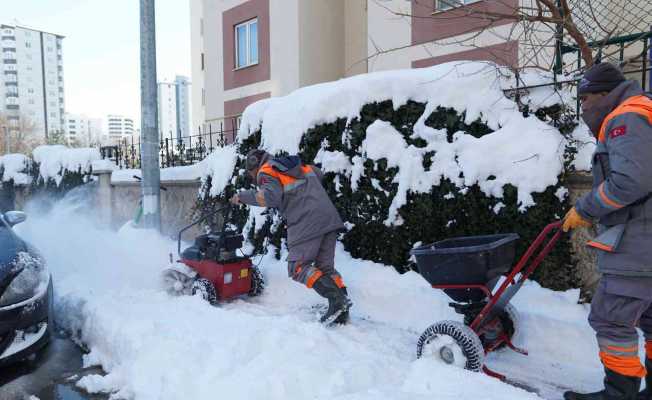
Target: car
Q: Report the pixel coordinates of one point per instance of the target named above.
(26, 295)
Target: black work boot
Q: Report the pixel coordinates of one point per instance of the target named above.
(343, 319)
(338, 303)
(616, 387)
(647, 393)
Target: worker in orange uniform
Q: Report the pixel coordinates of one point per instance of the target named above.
(313, 223)
(619, 114)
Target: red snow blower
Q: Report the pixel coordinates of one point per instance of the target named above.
(467, 269)
(217, 273)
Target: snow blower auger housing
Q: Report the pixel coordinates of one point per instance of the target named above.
(468, 269)
(218, 273)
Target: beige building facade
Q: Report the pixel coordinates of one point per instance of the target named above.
(247, 50)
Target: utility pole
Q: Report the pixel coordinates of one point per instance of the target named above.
(151, 179)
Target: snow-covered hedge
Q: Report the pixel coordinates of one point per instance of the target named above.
(417, 156)
(53, 169)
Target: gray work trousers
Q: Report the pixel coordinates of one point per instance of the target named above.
(309, 260)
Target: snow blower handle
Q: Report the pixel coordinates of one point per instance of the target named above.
(201, 219)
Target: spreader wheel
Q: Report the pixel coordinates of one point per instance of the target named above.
(511, 320)
(453, 343)
(257, 282)
(206, 289)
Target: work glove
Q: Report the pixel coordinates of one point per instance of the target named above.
(574, 220)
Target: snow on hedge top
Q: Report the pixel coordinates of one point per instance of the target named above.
(54, 161)
(473, 87)
(524, 152)
(15, 168)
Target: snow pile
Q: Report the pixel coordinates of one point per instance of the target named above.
(218, 166)
(153, 346)
(524, 152)
(14, 167)
(55, 161)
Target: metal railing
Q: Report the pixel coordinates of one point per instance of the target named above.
(174, 150)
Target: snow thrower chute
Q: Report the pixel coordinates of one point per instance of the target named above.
(214, 270)
(467, 269)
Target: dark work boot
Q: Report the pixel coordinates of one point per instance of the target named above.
(338, 303)
(343, 319)
(647, 393)
(616, 387)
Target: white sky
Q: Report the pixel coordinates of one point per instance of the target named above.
(101, 51)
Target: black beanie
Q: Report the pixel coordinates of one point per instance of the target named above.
(254, 159)
(603, 77)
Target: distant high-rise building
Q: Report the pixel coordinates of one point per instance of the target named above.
(31, 83)
(174, 109)
(83, 131)
(119, 127)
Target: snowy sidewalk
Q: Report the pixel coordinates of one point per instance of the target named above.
(153, 346)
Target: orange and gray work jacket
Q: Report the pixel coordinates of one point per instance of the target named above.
(622, 181)
(296, 191)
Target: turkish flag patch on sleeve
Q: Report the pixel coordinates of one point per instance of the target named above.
(618, 131)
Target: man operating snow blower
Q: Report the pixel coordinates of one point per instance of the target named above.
(313, 223)
(620, 115)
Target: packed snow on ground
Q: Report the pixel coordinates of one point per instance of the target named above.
(153, 346)
(14, 167)
(55, 160)
(524, 152)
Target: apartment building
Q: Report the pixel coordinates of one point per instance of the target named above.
(119, 127)
(174, 108)
(31, 80)
(83, 131)
(247, 50)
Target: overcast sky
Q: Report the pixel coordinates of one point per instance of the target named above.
(101, 47)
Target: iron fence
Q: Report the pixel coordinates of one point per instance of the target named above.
(176, 151)
(610, 50)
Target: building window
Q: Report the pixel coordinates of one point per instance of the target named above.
(246, 43)
(443, 5)
(28, 44)
(202, 61)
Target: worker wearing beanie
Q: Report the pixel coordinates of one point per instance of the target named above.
(619, 114)
(312, 222)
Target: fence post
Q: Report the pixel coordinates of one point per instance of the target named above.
(210, 138)
(172, 141)
(167, 152)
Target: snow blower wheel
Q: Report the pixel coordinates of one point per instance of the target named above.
(206, 289)
(452, 343)
(257, 282)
